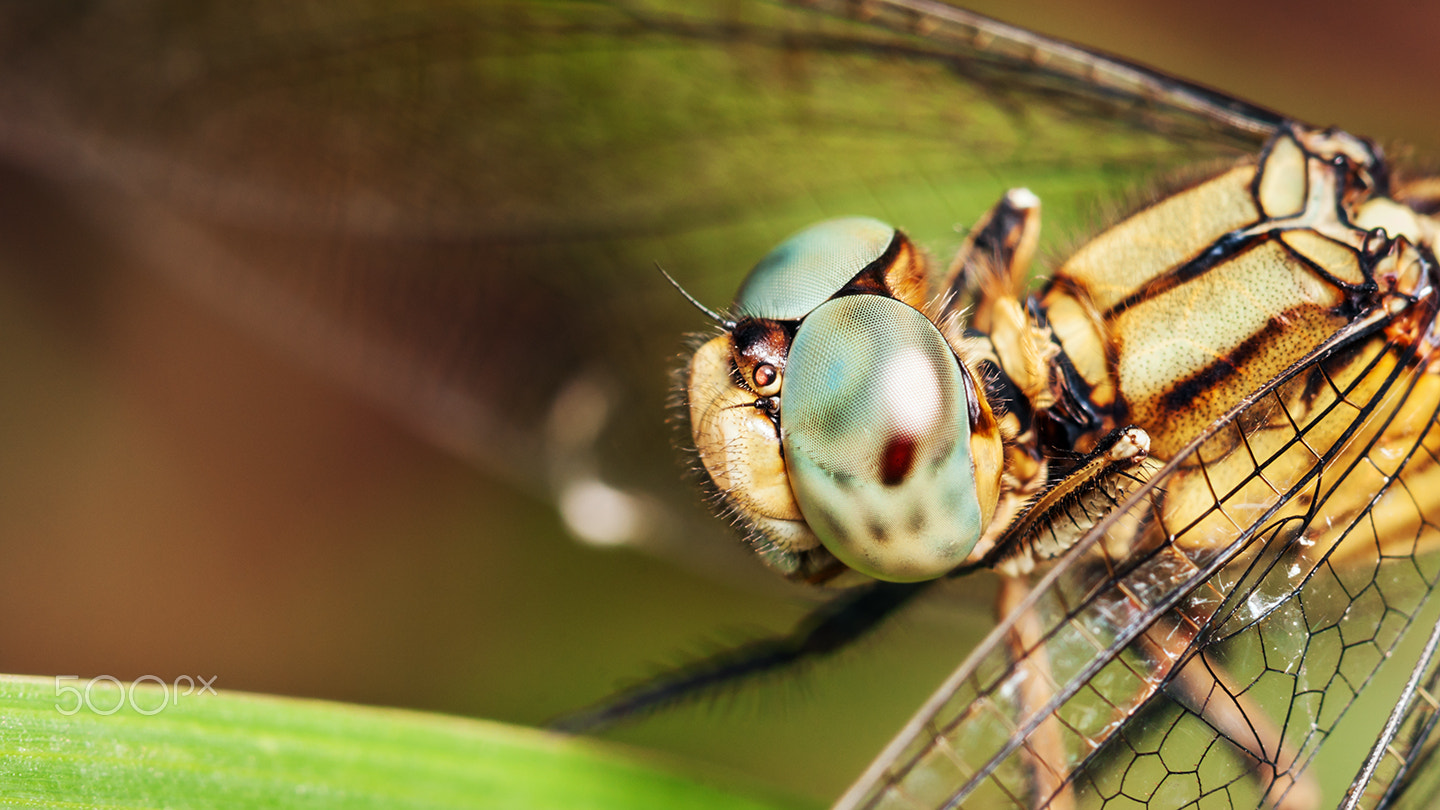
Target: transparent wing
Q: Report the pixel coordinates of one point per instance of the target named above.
(458, 207)
(1397, 772)
(1211, 635)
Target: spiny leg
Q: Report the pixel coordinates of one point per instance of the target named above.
(827, 629)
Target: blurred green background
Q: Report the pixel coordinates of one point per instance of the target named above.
(181, 497)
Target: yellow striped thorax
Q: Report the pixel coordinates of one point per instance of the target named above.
(1181, 310)
(852, 426)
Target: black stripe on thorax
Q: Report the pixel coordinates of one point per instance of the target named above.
(1183, 393)
(1221, 250)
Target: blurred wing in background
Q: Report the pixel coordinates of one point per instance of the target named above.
(458, 208)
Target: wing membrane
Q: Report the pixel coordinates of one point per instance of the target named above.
(1069, 72)
(458, 208)
(1404, 766)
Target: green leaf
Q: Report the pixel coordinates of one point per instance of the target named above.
(75, 743)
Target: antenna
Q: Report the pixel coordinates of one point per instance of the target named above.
(726, 323)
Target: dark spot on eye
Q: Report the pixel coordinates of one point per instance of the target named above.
(828, 523)
(896, 460)
(764, 375)
(877, 532)
(916, 523)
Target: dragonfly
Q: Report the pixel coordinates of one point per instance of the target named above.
(490, 283)
(855, 430)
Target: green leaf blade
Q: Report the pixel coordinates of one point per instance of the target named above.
(232, 750)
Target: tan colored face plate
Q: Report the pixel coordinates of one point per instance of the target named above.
(740, 450)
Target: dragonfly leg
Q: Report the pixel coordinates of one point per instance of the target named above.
(1206, 689)
(986, 283)
(994, 263)
(1044, 751)
(833, 626)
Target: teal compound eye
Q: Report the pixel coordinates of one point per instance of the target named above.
(807, 269)
(876, 431)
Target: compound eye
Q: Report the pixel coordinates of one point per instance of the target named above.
(876, 432)
(810, 267)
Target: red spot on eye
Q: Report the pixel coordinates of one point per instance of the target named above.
(896, 460)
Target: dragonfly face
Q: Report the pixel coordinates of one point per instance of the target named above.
(273, 149)
(868, 465)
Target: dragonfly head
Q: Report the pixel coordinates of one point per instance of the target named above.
(836, 420)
